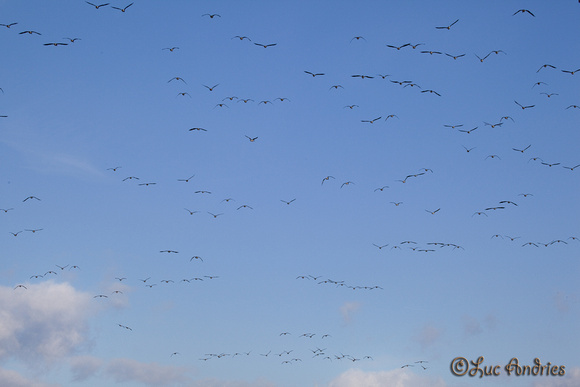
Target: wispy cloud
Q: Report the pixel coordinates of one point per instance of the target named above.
(49, 161)
(562, 301)
(347, 310)
(428, 335)
(471, 326)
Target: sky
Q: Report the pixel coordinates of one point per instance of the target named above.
(288, 193)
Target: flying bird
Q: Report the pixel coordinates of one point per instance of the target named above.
(326, 178)
(447, 27)
(523, 11)
(431, 91)
(98, 6)
(177, 79)
(550, 165)
(265, 45)
(524, 107)
(211, 88)
(571, 168)
(399, 47)
(455, 56)
(122, 9)
(186, 180)
(545, 66)
(313, 74)
(468, 131)
(481, 59)
(211, 16)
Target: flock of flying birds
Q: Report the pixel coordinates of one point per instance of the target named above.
(285, 356)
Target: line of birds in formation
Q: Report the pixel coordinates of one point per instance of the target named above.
(120, 279)
(337, 283)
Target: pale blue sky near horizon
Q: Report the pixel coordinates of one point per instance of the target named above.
(85, 120)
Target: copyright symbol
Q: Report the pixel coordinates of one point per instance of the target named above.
(459, 366)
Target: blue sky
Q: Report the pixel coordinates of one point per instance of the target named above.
(87, 128)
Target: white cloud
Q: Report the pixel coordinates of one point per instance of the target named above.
(571, 379)
(222, 383)
(347, 309)
(395, 378)
(151, 374)
(155, 374)
(10, 378)
(46, 321)
(84, 367)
